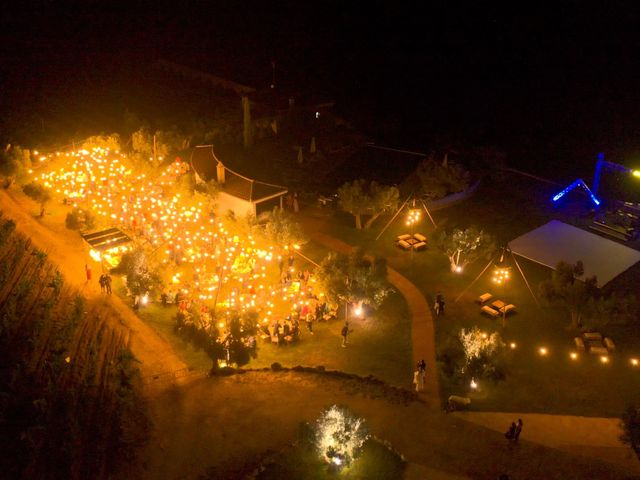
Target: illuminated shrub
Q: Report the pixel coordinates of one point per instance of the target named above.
(339, 435)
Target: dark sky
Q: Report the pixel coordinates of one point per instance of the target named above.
(539, 76)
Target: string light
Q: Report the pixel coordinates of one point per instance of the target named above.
(181, 228)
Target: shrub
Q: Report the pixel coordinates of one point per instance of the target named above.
(79, 219)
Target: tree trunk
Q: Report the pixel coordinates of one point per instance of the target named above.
(575, 319)
(452, 262)
(371, 220)
(358, 221)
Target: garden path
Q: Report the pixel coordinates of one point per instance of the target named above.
(65, 249)
(590, 436)
(422, 328)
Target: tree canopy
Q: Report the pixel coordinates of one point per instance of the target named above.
(463, 247)
(353, 278)
(436, 179)
(281, 229)
(367, 198)
(140, 278)
(37, 192)
(583, 300)
(15, 163)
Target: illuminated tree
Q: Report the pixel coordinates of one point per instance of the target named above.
(477, 344)
(140, 278)
(352, 278)
(339, 435)
(361, 198)
(483, 355)
(463, 247)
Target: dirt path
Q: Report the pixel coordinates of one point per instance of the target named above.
(234, 420)
(592, 437)
(65, 248)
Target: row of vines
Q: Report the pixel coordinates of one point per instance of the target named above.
(70, 404)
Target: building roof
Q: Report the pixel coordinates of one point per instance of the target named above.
(204, 162)
(105, 239)
(557, 241)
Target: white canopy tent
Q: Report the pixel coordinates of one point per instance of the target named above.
(557, 241)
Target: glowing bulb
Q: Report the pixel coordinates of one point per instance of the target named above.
(573, 355)
(604, 359)
(473, 384)
(542, 351)
(512, 345)
(634, 362)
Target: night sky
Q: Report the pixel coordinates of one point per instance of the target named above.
(547, 81)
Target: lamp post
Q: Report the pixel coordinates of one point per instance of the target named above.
(413, 217)
(501, 276)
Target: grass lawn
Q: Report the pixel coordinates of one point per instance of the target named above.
(379, 345)
(551, 384)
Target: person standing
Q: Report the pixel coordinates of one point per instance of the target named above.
(518, 430)
(345, 332)
(436, 307)
(107, 283)
(510, 434)
(418, 380)
(440, 305)
(309, 321)
(295, 205)
(280, 264)
(101, 281)
(422, 365)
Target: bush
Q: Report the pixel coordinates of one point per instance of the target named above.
(79, 219)
(37, 192)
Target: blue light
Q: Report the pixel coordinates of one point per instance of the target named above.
(578, 182)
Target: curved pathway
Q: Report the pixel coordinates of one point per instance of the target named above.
(596, 438)
(422, 329)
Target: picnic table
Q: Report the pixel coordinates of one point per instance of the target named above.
(498, 304)
(411, 242)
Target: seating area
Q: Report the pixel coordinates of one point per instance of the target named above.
(485, 297)
(594, 343)
(415, 242)
(497, 308)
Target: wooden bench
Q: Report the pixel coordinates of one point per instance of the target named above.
(598, 351)
(403, 237)
(592, 336)
(455, 402)
(419, 246)
(579, 344)
(489, 311)
(508, 308)
(485, 297)
(404, 245)
(420, 237)
(609, 344)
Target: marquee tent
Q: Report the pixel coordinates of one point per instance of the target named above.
(557, 241)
